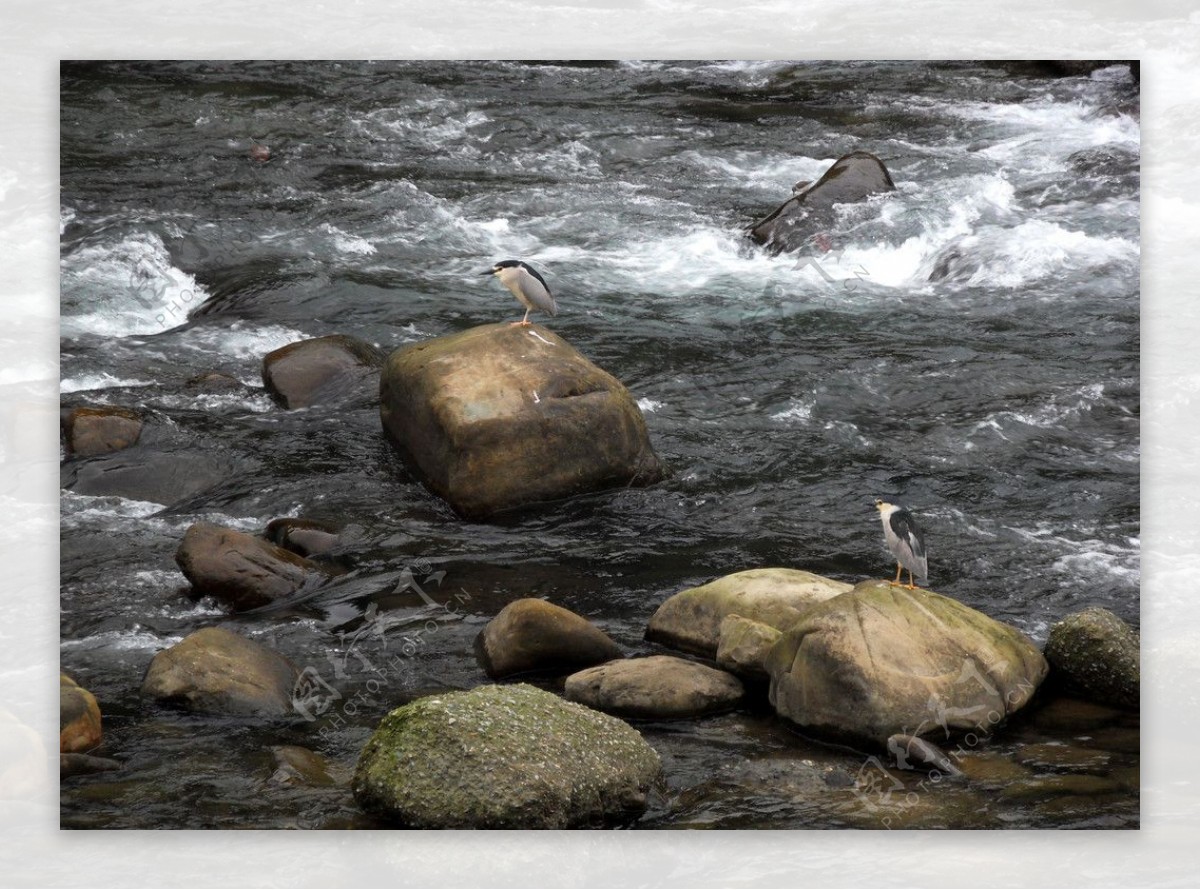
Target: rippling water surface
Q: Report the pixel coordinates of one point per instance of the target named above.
(967, 346)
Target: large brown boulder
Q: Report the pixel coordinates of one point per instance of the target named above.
(79, 725)
(534, 635)
(658, 686)
(241, 570)
(216, 671)
(320, 371)
(498, 417)
(1096, 654)
(87, 432)
(744, 645)
(691, 619)
(882, 660)
(792, 225)
(503, 757)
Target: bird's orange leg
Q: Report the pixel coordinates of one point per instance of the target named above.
(896, 583)
(912, 584)
(524, 322)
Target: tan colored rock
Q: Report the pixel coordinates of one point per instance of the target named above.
(216, 671)
(79, 723)
(691, 619)
(499, 417)
(882, 659)
(658, 686)
(241, 570)
(88, 432)
(743, 646)
(534, 635)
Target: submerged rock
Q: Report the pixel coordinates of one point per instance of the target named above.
(84, 764)
(79, 723)
(1096, 654)
(241, 570)
(295, 765)
(534, 635)
(853, 177)
(499, 417)
(216, 671)
(323, 370)
(304, 537)
(503, 757)
(659, 686)
(691, 619)
(914, 753)
(87, 432)
(882, 660)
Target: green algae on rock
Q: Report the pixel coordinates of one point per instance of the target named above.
(503, 757)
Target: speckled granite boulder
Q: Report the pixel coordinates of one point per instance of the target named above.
(503, 757)
(1096, 654)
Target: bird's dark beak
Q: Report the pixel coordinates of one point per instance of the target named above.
(488, 272)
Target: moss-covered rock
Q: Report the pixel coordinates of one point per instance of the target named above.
(1096, 654)
(498, 417)
(503, 757)
(882, 660)
(691, 619)
(743, 646)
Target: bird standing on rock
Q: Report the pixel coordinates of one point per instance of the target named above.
(526, 285)
(905, 540)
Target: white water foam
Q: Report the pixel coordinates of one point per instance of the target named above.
(116, 289)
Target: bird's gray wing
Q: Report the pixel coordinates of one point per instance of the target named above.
(537, 291)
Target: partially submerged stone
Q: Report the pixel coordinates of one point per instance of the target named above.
(1096, 654)
(498, 417)
(216, 671)
(658, 686)
(691, 619)
(503, 757)
(241, 570)
(87, 432)
(882, 660)
(534, 635)
(79, 722)
(322, 370)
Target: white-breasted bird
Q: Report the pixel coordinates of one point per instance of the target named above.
(526, 285)
(905, 540)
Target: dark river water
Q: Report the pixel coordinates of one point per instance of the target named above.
(999, 400)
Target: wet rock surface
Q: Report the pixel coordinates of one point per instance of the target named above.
(87, 432)
(1098, 655)
(882, 660)
(534, 635)
(241, 570)
(322, 370)
(503, 757)
(79, 720)
(498, 417)
(658, 686)
(216, 671)
(691, 620)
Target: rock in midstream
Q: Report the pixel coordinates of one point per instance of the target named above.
(658, 686)
(216, 671)
(322, 370)
(534, 635)
(1098, 655)
(691, 619)
(79, 723)
(498, 417)
(503, 757)
(883, 659)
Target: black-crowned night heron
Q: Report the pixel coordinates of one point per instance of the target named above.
(905, 540)
(526, 285)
